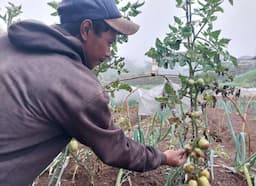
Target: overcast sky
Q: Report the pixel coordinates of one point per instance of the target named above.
(237, 23)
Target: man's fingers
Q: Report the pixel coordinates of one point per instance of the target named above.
(183, 159)
(182, 153)
(183, 156)
(176, 157)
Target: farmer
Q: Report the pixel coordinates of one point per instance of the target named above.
(49, 94)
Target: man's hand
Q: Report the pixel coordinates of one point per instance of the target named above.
(176, 158)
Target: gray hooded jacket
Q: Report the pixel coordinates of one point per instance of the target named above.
(48, 96)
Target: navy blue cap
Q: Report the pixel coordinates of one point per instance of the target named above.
(78, 10)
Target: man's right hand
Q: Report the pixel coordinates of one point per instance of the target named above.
(176, 158)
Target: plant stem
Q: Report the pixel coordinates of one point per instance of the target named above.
(247, 176)
(78, 161)
(119, 178)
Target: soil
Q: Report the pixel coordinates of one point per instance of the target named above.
(103, 175)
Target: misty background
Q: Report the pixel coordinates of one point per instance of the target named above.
(237, 23)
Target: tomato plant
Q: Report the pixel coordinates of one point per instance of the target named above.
(12, 11)
(193, 42)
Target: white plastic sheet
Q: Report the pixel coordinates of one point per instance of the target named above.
(248, 92)
(147, 103)
(146, 99)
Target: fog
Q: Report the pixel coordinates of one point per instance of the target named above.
(236, 22)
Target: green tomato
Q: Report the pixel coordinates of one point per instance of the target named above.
(208, 97)
(200, 82)
(191, 82)
(205, 173)
(203, 181)
(195, 114)
(203, 143)
(192, 183)
(199, 152)
(188, 168)
(73, 145)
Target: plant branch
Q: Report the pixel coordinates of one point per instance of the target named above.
(80, 163)
(145, 76)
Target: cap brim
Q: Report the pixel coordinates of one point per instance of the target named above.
(123, 26)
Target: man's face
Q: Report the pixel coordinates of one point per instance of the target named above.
(97, 48)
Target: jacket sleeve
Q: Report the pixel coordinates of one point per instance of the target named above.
(85, 115)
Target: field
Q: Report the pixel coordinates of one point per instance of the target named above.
(85, 169)
(93, 172)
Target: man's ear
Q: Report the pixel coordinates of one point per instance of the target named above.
(85, 27)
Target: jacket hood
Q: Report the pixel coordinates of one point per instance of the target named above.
(36, 37)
